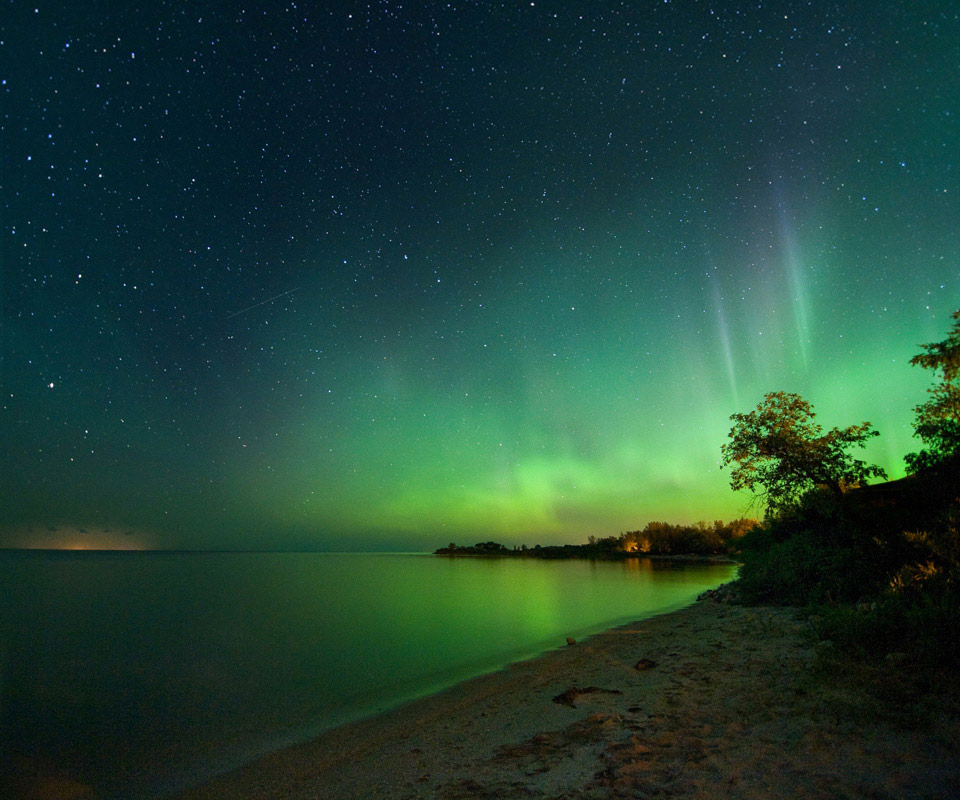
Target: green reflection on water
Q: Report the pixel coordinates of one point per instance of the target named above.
(163, 662)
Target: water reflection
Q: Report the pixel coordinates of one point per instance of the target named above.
(160, 662)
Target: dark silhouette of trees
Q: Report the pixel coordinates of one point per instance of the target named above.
(938, 420)
(779, 452)
(702, 538)
(716, 538)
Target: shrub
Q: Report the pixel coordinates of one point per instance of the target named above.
(925, 625)
(822, 550)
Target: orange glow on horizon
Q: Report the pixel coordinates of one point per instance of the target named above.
(72, 537)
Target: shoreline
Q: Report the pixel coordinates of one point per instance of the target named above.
(712, 700)
(692, 558)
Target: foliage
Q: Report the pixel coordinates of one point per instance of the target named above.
(662, 538)
(924, 627)
(884, 594)
(479, 549)
(920, 613)
(937, 422)
(656, 539)
(880, 564)
(899, 537)
(779, 453)
(822, 550)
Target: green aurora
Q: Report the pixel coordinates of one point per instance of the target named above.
(529, 266)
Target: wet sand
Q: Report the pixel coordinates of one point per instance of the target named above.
(714, 701)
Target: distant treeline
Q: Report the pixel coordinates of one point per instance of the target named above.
(656, 539)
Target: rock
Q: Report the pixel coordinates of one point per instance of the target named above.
(568, 697)
(725, 593)
(644, 664)
(573, 694)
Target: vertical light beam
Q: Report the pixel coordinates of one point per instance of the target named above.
(793, 263)
(724, 332)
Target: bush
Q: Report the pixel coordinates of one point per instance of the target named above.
(877, 589)
(923, 625)
(823, 550)
(797, 571)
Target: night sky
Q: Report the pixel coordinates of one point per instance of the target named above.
(387, 276)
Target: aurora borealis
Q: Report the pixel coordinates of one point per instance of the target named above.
(384, 275)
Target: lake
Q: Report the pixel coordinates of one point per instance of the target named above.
(139, 673)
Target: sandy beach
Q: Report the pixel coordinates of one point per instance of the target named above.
(711, 701)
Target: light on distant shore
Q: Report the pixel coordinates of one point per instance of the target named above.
(73, 537)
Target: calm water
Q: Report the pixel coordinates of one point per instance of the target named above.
(140, 672)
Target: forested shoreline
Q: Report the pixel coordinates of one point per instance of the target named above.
(715, 540)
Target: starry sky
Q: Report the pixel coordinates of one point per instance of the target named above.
(384, 275)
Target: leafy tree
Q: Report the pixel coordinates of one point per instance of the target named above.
(489, 547)
(938, 420)
(779, 453)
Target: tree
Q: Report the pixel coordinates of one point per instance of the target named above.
(779, 453)
(938, 420)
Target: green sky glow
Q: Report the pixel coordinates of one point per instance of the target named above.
(526, 263)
